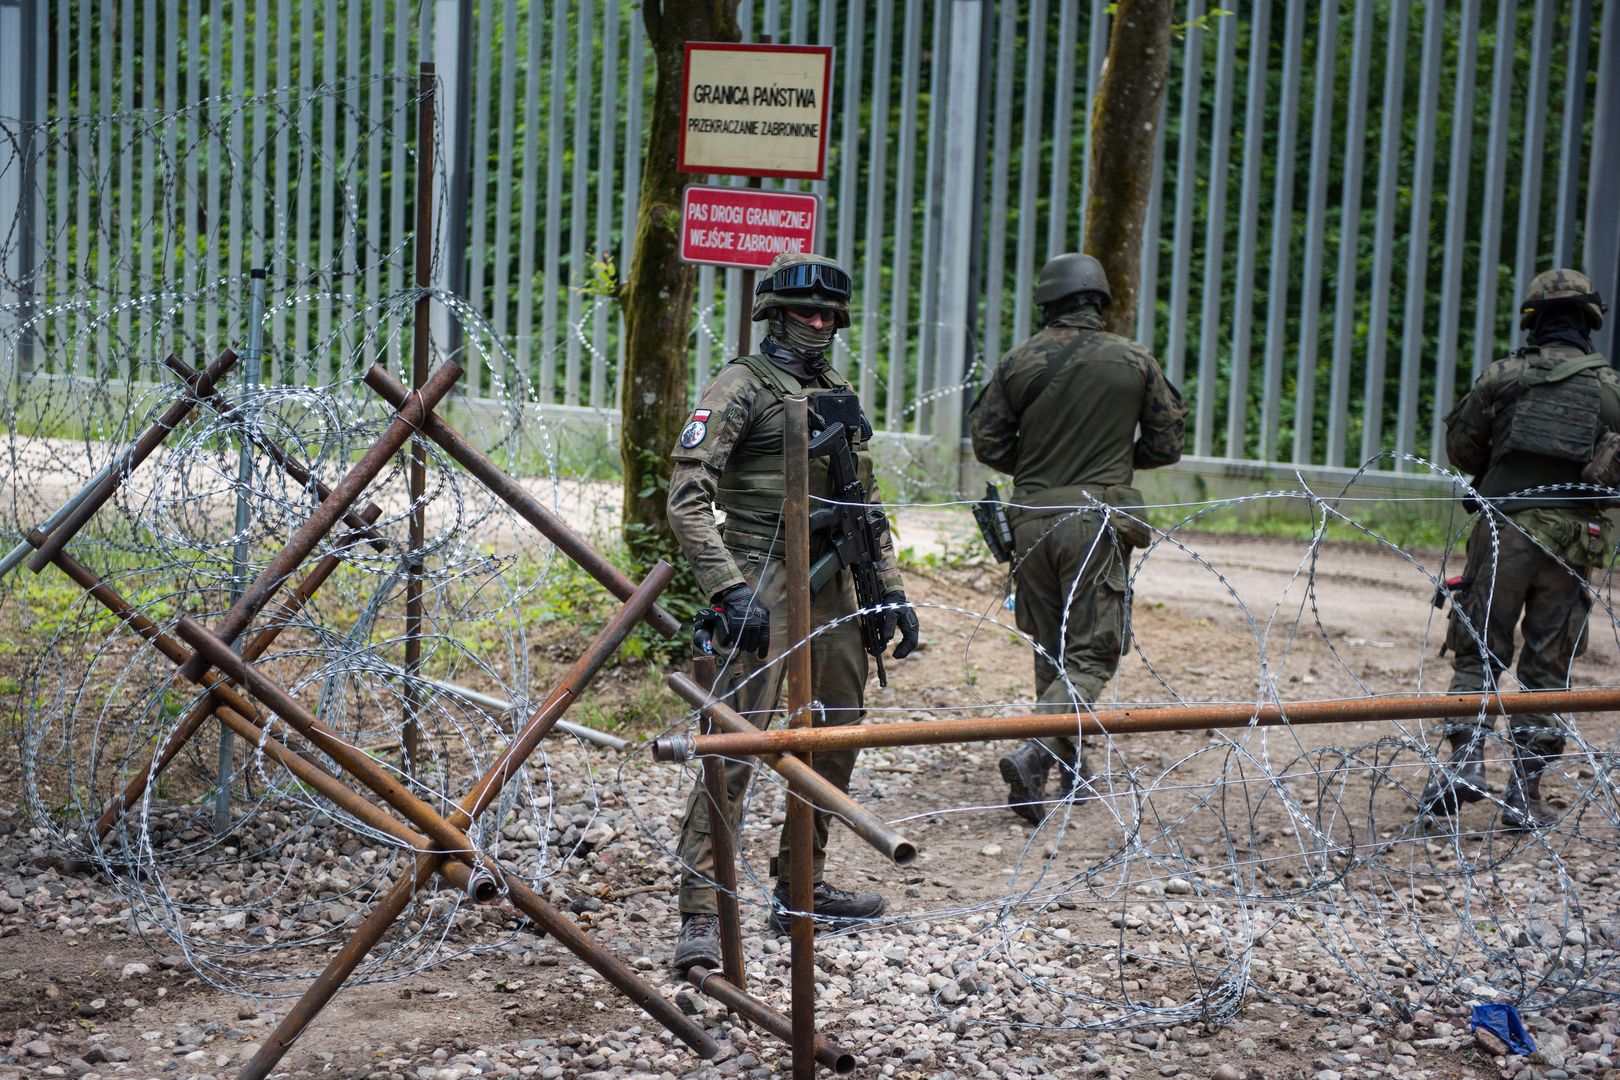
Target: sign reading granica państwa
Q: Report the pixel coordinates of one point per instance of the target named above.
(755, 110)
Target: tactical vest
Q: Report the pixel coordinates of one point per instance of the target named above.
(1545, 410)
(756, 484)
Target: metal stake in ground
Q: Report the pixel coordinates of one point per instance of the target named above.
(251, 352)
(801, 814)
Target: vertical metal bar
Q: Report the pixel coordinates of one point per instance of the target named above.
(1186, 187)
(1282, 233)
(607, 134)
(1147, 289)
(1601, 251)
(479, 77)
(705, 312)
(927, 378)
(1057, 210)
(399, 226)
(801, 815)
(324, 362)
(580, 193)
(251, 376)
(1254, 111)
(85, 104)
(826, 34)
(372, 249)
(126, 181)
(417, 476)
(876, 174)
(849, 163)
(551, 268)
(1096, 52)
(302, 247)
(505, 134)
(1527, 250)
(1492, 208)
(1209, 330)
(234, 235)
(632, 165)
(1417, 234)
(107, 208)
(1569, 157)
(995, 262)
(148, 175)
(1029, 165)
(904, 205)
(1310, 300)
(1344, 306)
(284, 252)
(1462, 136)
(1389, 145)
(533, 74)
(254, 169)
(62, 185)
(954, 279)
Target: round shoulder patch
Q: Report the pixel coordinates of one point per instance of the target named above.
(694, 433)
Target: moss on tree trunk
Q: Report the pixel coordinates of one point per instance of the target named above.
(657, 295)
(1124, 117)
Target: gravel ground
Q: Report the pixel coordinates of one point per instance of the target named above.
(1262, 907)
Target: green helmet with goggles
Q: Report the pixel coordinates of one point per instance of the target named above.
(1559, 288)
(800, 279)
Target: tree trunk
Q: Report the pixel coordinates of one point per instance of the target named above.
(658, 293)
(1123, 118)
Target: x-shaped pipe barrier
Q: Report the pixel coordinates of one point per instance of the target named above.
(442, 844)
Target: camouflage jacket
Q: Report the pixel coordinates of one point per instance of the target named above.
(738, 423)
(1061, 412)
(1488, 424)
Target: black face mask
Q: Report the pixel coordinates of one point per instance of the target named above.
(1562, 326)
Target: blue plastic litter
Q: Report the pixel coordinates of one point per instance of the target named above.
(1503, 1022)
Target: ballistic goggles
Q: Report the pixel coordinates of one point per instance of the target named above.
(806, 277)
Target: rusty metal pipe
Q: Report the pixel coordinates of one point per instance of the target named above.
(384, 914)
(525, 505)
(732, 958)
(361, 521)
(326, 515)
(819, 790)
(761, 1015)
(204, 707)
(1135, 721)
(801, 820)
(199, 385)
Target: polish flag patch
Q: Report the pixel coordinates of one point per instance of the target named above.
(696, 429)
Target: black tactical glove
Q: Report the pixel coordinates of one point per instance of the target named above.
(899, 614)
(745, 623)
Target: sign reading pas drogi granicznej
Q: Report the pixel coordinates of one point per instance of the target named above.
(755, 110)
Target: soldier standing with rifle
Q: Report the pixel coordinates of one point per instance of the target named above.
(729, 458)
(1061, 413)
(1538, 430)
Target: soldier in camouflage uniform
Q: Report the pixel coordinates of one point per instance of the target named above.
(1528, 429)
(1061, 414)
(730, 458)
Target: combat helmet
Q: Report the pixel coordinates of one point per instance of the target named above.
(1068, 274)
(800, 278)
(1553, 288)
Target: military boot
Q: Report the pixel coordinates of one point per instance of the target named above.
(835, 908)
(1025, 771)
(698, 943)
(1522, 807)
(1461, 779)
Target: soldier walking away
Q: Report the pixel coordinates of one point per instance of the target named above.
(1538, 431)
(1061, 413)
(729, 458)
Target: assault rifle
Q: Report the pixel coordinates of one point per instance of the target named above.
(855, 532)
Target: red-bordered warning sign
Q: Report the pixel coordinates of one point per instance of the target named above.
(755, 110)
(745, 226)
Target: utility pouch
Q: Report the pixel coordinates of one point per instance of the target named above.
(1604, 468)
(991, 514)
(841, 407)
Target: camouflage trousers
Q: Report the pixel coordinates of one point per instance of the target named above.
(1071, 601)
(838, 667)
(1518, 583)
